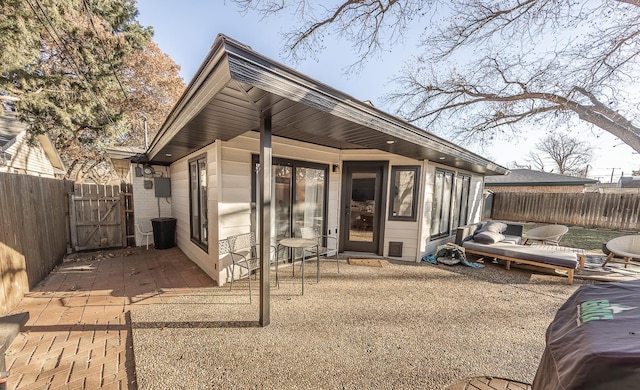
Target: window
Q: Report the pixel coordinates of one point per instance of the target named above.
(198, 201)
(450, 202)
(404, 182)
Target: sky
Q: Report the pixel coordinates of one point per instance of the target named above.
(186, 32)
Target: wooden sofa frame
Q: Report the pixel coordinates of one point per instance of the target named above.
(461, 235)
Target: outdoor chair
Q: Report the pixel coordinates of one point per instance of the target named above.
(549, 234)
(311, 233)
(627, 247)
(144, 227)
(245, 254)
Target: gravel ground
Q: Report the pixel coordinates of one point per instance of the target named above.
(400, 326)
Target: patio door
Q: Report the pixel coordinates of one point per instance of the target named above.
(363, 200)
(298, 196)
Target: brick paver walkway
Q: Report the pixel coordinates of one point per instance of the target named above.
(79, 332)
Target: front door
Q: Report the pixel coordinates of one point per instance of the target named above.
(363, 199)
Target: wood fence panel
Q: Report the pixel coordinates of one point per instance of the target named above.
(33, 232)
(611, 211)
(96, 217)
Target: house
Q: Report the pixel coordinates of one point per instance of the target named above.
(378, 184)
(18, 156)
(527, 180)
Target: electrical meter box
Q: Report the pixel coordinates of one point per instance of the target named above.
(162, 186)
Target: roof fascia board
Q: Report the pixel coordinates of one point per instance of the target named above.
(210, 79)
(51, 151)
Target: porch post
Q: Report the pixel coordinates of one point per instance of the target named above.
(265, 218)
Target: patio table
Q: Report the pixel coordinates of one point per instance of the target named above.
(593, 341)
(302, 243)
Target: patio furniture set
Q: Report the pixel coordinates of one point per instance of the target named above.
(540, 248)
(245, 253)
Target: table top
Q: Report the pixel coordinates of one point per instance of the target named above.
(297, 242)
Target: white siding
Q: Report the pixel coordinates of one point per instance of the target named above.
(229, 195)
(145, 203)
(25, 159)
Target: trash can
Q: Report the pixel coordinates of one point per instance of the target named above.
(164, 232)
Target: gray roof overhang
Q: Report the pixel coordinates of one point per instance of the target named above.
(235, 87)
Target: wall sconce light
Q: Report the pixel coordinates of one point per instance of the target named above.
(335, 168)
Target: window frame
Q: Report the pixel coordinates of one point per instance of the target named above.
(414, 201)
(456, 206)
(202, 208)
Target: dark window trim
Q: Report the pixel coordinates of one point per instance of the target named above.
(255, 159)
(416, 183)
(202, 245)
(451, 190)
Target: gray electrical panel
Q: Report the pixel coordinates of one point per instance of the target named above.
(162, 187)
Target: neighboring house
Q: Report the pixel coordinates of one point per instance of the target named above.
(629, 182)
(17, 156)
(334, 163)
(527, 180)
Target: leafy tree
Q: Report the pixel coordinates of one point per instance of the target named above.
(565, 154)
(73, 70)
(492, 67)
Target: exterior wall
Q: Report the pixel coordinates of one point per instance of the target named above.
(206, 260)
(229, 197)
(537, 189)
(30, 160)
(145, 203)
(406, 232)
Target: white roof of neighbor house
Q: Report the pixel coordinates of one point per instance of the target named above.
(236, 86)
(529, 177)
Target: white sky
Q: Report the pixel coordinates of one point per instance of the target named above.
(186, 30)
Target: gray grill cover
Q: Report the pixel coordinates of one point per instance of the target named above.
(594, 341)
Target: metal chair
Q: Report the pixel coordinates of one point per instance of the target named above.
(245, 254)
(549, 234)
(144, 227)
(311, 233)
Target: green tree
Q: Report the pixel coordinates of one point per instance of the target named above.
(71, 70)
(491, 67)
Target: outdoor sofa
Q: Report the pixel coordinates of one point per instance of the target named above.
(504, 241)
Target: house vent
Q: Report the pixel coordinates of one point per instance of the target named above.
(395, 248)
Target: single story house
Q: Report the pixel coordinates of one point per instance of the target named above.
(378, 184)
(18, 156)
(528, 180)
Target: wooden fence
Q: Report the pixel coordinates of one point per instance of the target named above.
(612, 211)
(34, 232)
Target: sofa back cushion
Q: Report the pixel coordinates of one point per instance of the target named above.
(488, 237)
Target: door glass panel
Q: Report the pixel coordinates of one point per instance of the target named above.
(281, 205)
(309, 199)
(363, 206)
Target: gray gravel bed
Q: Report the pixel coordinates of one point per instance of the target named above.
(400, 326)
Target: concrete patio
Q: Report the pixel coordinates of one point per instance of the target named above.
(131, 318)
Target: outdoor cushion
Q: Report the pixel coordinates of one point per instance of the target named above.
(493, 226)
(488, 237)
(513, 240)
(541, 255)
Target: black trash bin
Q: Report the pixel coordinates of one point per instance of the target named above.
(164, 232)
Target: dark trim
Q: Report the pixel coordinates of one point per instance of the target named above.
(255, 159)
(416, 183)
(539, 184)
(348, 167)
(202, 245)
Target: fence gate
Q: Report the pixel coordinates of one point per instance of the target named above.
(95, 217)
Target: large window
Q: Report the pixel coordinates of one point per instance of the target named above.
(198, 201)
(404, 184)
(298, 196)
(450, 202)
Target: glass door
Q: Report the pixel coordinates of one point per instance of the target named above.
(363, 199)
(298, 197)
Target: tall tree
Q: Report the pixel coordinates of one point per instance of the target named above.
(72, 69)
(561, 153)
(490, 67)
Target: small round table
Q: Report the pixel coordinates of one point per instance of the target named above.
(301, 243)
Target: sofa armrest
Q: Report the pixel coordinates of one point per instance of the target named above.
(464, 233)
